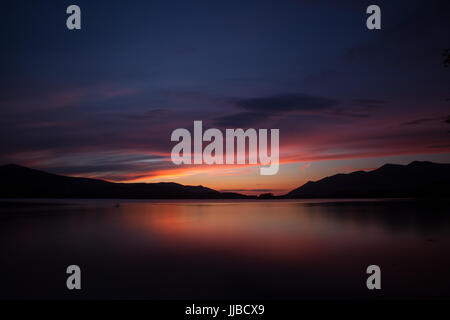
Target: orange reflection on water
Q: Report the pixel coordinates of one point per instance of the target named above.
(244, 228)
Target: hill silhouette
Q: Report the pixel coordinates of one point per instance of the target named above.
(417, 179)
(21, 182)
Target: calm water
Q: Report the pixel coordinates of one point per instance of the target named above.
(223, 249)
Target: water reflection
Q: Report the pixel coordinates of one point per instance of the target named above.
(207, 249)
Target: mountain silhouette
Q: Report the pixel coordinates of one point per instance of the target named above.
(21, 182)
(417, 179)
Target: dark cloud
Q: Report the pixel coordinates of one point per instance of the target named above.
(241, 119)
(286, 106)
(288, 102)
(260, 109)
(441, 146)
(423, 120)
(116, 170)
(347, 113)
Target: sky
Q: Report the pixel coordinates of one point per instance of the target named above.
(102, 101)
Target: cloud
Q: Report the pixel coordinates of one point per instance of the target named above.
(442, 146)
(241, 119)
(423, 120)
(257, 110)
(341, 112)
(288, 102)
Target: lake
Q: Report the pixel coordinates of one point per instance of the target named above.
(235, 249)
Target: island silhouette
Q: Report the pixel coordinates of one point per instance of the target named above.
(418, 179)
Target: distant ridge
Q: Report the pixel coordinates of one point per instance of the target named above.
(22, 182)
(417, 179)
